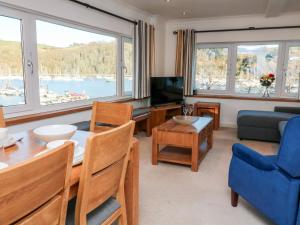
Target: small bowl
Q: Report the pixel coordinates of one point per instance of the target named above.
(57, 143)
(185, 120)
(55, 132)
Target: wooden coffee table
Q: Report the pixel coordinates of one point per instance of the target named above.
(182, 144)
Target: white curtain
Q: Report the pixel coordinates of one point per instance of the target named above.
(185, 58)
(144, 58)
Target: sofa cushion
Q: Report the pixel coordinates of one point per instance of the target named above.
(281, 126)
(262, 119)
(286, 109)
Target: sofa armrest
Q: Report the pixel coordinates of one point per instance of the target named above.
(284, 109)
(252, 157)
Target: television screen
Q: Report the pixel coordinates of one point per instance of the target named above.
(166, 90)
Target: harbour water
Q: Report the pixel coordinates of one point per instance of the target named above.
(64, 89)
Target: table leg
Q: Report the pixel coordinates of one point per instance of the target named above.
(132, 186)
(195, 152)
(154, 147)
(210, 136)
(148, 126)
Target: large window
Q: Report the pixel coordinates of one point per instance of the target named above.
(75, 64)
(55, 64)
(236, 68)
(212, 66)
(252, 62)
(12, 88)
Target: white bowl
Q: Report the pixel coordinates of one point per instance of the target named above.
(57, 143)
(185, 120)
(55, 132)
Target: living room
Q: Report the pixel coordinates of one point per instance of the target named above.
(212, 87)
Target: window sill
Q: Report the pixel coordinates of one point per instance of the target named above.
(46, 115)
(244, 98)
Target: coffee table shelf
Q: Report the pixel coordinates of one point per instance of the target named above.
(182, 144)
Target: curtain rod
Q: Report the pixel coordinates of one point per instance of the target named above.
(103, 11)
(244, 29)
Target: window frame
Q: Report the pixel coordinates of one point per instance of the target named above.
(217, 45)
(30, 55)
(278, 71)
(281, 62)
(26, 57)
(128, 40)
(288, 45)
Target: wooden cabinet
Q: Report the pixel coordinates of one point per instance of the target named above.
(212, 109)
(161, 114)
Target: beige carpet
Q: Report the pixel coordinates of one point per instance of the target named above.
(173, 195)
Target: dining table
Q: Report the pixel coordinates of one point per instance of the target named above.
(30, 145)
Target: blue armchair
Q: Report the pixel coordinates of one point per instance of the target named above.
(270, 183)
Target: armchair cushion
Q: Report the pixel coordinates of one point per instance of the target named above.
(254, 158)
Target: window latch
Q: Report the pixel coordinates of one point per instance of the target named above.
(30, 65)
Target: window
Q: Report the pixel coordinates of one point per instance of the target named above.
(252, 62)
(51, 64)
(292, 70)
(12, 88)
(236, 68)
(128, 56)
(75, 64)
(211, 68)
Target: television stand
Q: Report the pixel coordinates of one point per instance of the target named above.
(160, 114)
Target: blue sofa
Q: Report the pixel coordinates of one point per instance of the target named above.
(270, 183)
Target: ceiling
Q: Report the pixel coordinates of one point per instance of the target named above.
(214, 8)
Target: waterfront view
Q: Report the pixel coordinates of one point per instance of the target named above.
(73, 64)
(59, 90)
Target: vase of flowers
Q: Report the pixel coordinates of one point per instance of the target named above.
(266, 81)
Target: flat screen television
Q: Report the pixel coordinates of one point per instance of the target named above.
(166, 90)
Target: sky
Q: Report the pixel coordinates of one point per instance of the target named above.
(49, 33)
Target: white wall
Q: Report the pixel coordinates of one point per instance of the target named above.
(228, 23)
(160, 33)
(71, 11)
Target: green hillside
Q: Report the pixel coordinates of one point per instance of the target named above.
(83, 59)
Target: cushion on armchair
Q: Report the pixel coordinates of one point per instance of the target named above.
(281, 127)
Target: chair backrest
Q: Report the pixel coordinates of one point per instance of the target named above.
(114, 114)
(104, 168)
(2, 120)
(36, 191)
(289, 151)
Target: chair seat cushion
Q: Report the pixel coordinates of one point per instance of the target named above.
(97, 216)
(262, 119)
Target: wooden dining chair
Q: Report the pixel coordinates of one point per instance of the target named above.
(101, 195)
(106, 115)
(36, 191)
(2, 120)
